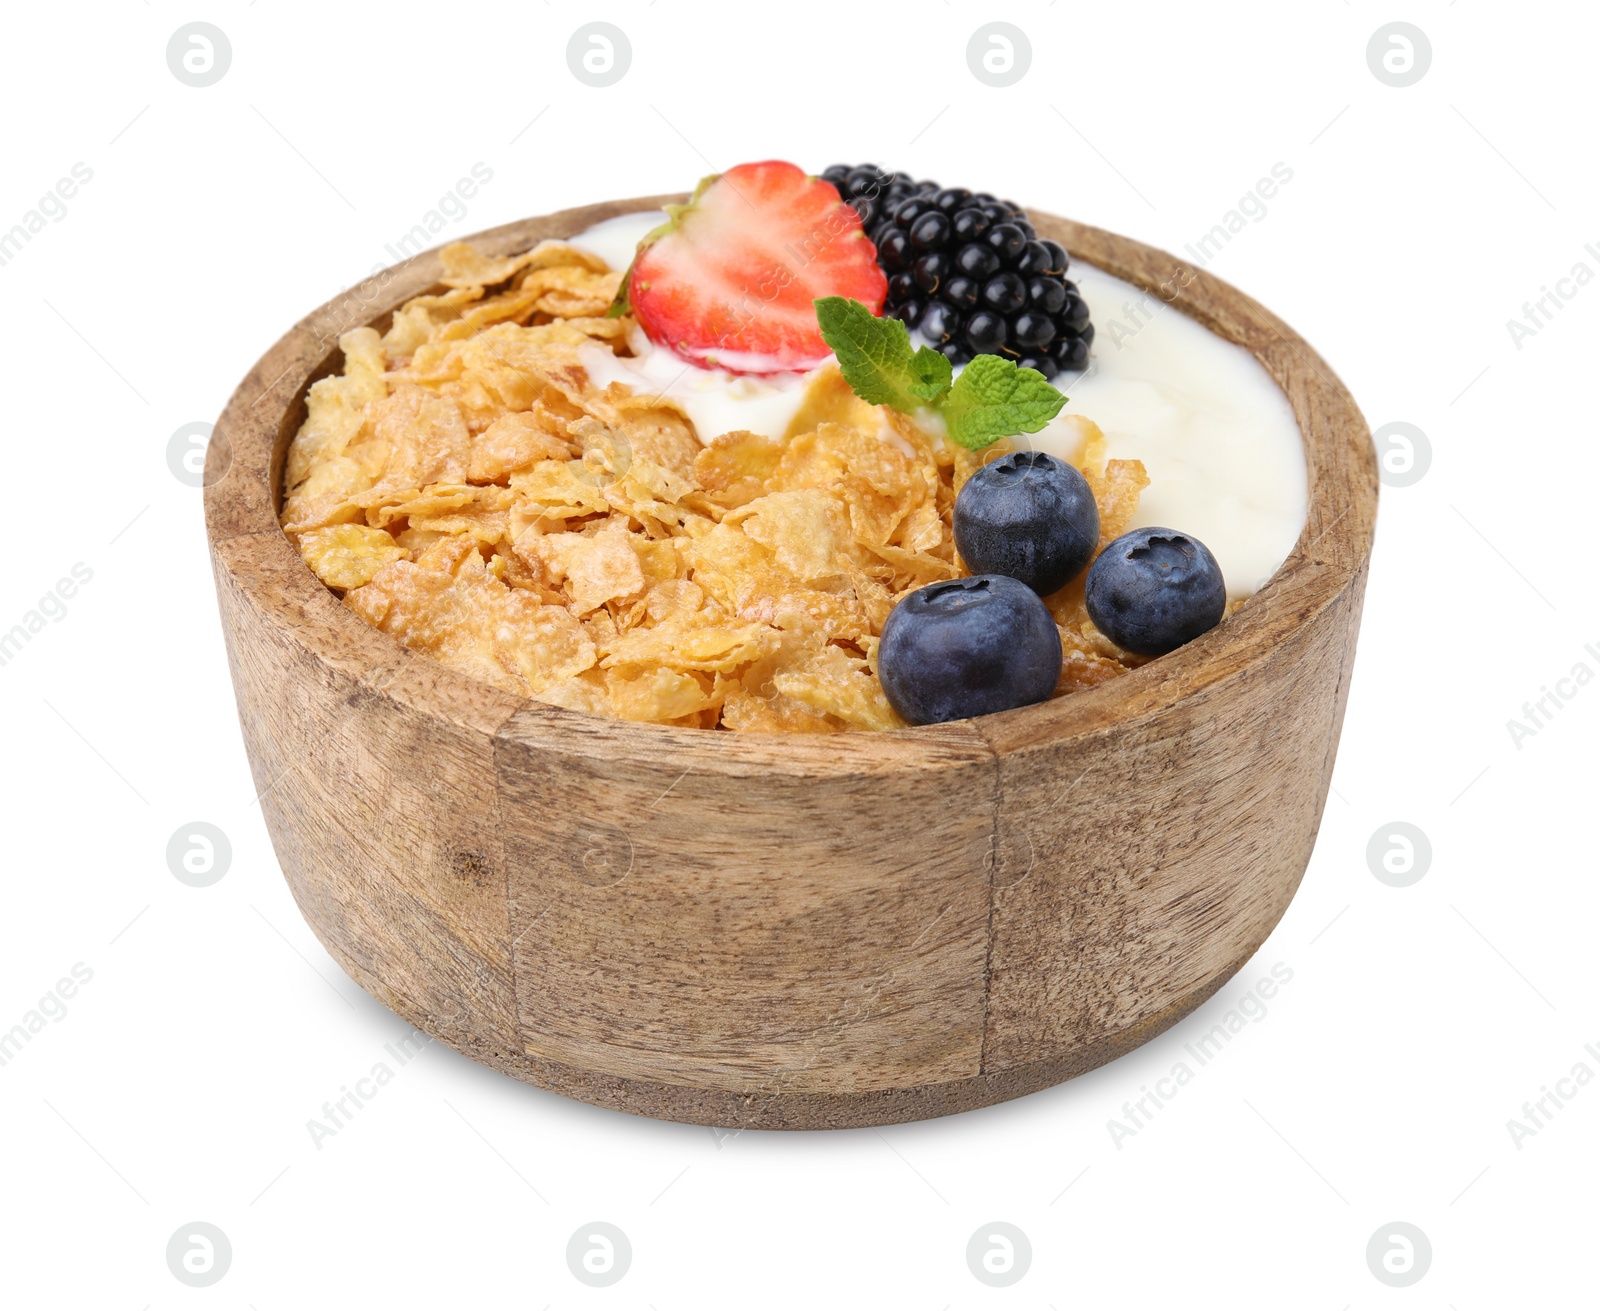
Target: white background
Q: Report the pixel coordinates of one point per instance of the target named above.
(1419, 1020)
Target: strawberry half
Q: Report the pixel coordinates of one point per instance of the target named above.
(729, 279)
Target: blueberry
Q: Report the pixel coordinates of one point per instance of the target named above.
(1029, 516)
(969, 646)
(1154, 589)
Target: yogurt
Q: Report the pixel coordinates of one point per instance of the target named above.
(1217, 436)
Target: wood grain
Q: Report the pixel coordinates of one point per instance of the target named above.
(790, 931)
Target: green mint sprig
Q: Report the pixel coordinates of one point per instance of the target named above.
(993, 398)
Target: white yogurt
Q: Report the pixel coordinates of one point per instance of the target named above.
(715, 401)
(615, 239)
(1216, 434)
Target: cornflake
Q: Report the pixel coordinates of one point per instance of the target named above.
(465, 486)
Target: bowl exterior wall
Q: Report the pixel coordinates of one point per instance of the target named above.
(798, 932)
(743, 948)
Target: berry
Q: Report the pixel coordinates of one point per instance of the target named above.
(930, 269)
(1070, 353)
(961, 291)
(1004, 293)
(1154, 589)
(1003, 288)
(969, 224)
(909, 312)
(930, 230)
(1044, 294)
(714, 289)
(1029, 516)
(1034, 259)
(977, 261)
(1032, 330)
(939, 321)
(986, 333)
(893, 250)
(969, 646)
(1008, 241)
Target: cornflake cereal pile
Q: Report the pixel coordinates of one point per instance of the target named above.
(468, 490)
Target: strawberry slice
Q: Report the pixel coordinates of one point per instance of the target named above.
(729, 280)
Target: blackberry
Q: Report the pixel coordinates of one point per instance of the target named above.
(968, 272)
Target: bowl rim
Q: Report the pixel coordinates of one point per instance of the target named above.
(243, 491)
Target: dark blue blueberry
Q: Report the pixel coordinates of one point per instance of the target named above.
(1029, 516)
(1154, 589)
(970, 646)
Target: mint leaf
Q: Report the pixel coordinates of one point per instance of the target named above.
(933, 375)
(993, 398)
(875, 356)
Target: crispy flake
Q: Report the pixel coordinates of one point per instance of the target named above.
(472, 491)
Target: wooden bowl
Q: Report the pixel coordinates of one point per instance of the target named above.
(790, 931)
